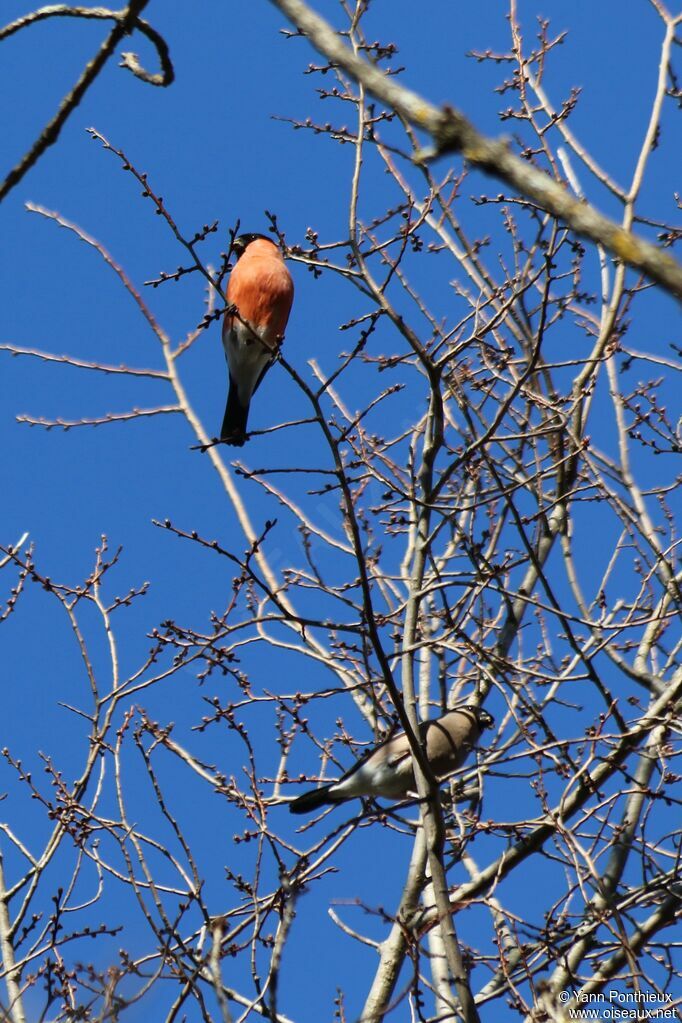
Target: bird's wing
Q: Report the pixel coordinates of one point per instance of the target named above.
(367, 755)
(449, 740)
(397, 750)
(264, 370)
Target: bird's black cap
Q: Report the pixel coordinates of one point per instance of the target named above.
(242, 241)
(485, 720)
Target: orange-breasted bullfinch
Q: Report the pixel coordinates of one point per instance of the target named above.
(387, 770)
(261, 290)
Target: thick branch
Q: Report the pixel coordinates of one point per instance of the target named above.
(16, 1008)
(451, 131)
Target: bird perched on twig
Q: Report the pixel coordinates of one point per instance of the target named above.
(259, 295)
(387, 770)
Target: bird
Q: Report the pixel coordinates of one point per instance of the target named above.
(259, 296)
(387, 770)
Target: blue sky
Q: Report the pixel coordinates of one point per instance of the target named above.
(213, 150)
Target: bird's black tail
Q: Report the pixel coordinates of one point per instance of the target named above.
(233, 430)
(313, 800)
